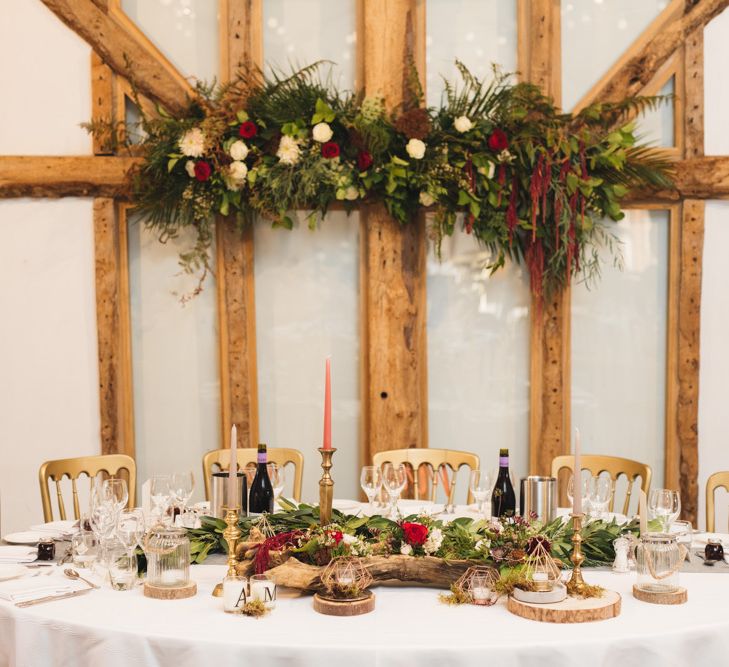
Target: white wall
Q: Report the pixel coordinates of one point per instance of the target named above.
(48, 353)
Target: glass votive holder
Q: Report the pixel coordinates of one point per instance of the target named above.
(262, 588)
(122, 569)
(235, 593)
(84, 549)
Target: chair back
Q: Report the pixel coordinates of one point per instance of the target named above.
(615, 466)
(55, 471)
(715, 481)
(430, 467)
(220, 459)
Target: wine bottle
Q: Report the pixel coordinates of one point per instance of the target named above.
(503, 500)
(260, 498)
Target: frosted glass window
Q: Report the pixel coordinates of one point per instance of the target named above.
(595, 33)
(307, 308)
(297, 33)
(186, 31)
(478, 354)
(174, 360)
(476, 32)
(619, 330)
(656, 126)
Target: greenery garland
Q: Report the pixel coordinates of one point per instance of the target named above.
(529, 182)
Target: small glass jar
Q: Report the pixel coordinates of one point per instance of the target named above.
(46, 550)
(168, 557)
(714, 550)
(262, 588)
(658, 562)
(84, 549)
(235, 593)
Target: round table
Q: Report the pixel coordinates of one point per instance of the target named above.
(408, 627)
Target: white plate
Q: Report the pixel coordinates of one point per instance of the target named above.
(28, 537)
(11, 572)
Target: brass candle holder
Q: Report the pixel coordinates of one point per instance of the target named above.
(326, 486)
(231, 535)
(576, 584)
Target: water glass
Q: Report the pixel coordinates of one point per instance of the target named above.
(122, 567)
(370, 479)
(480, 487)
(84, 549)
(664, 505)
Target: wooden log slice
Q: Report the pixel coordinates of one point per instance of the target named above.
(160, 593)
(571, 610)
(675, 597)
(332, 607)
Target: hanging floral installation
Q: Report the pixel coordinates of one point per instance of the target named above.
(530, 183)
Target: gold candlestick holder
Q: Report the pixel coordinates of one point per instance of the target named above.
(576, 584)
(326, 486)
(231, 535)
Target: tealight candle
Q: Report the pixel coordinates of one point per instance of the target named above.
(234, 593)
(541, 582)
(480, 594)
(263, 589)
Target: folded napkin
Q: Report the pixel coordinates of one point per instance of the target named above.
(17, 554)
(22, 590)
(63, 527)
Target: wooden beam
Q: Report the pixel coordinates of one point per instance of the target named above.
(102, 105)
(638, 68)
(697, 178)
(395, 408)
(75, 176)
(693, 95)
(125, 51)
(242, 22)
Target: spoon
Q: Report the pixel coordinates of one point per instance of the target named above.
(72, 574)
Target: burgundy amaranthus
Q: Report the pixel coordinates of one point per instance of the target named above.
(275, 543)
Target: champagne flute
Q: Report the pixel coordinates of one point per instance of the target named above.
(370, 479)
(395, 478)
(277, 475)
(480, 487)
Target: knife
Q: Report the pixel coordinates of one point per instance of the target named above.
(50, 598)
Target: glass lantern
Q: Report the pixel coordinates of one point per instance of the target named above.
(659, 559)
(168, 557)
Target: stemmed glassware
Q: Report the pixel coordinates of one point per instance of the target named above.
(370, 479)
(277, 475)
(664, 505)
(115, 490)
(394, 477)
(160, 495)
(585, 488)
(181, 485)
(130, 529)
(601, 493)
(480, 487)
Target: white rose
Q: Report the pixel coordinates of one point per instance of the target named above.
(192, 143)
(190, 168)
(235, 177)
(462, 124)
(238, 150)
(415, 149)
(406, 549)
(288, 150)
(322, 132)
(426, 199)
(351, 193)
(435, 538)
(348, 539)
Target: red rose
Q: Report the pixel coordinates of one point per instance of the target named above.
(202, 170)
(498, 141)
(330, 149)
(364, 160)
(336, 535)
(415, 533)
(248, 129)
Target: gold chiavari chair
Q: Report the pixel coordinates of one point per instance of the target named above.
(220, 459)
(425, 464)
(615, 466)
(55, 471)
(716, 481)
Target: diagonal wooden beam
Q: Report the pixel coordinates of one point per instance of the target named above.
(639, 68)
(75, 176)
(126, 53)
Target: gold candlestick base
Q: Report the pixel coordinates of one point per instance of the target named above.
(231, 535)
(576, 585)
(326, 486)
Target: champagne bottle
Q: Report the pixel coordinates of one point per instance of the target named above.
(261, 496)
(503, 500)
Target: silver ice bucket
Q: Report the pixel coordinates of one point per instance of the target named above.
(540, 498)
(219, 493)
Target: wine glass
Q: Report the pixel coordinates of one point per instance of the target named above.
(394, 477)
(370, 479)
(116, 491)
(601, 493)
(181, 486)
(480, 487)
(160, 495)
(585, 484)
(664, 505)
(130, 529)
(277, 475)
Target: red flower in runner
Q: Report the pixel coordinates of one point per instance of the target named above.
(336, 535)
(498, 141)
(330, 149)
(202, 170)
(415, 533)
(248, 130)
(364, 160)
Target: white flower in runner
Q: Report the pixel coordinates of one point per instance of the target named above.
(434, 540)
(322, 132)
(192, 143)
(190, 168)
(406, 549)
(505, 156)
(288, 150)
(426, 199)
(236, 176)
(415, 149)
(238, 150)
(349, 539)
(462, 124)
(351, 193)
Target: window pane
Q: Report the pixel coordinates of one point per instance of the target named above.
(174, 360)
(478, 354)
(479, 33)
(656, 126)
(619, 333)
(595, 33)
(186, 31)
(297, 33)
(307, 308)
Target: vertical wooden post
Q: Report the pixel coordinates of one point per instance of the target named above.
(395, 407)
(240, 45)
(550, 325)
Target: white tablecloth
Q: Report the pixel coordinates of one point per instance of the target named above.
(408, 627)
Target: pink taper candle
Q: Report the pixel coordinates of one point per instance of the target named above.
(327, 443)
(233, 469)
(577, 485)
